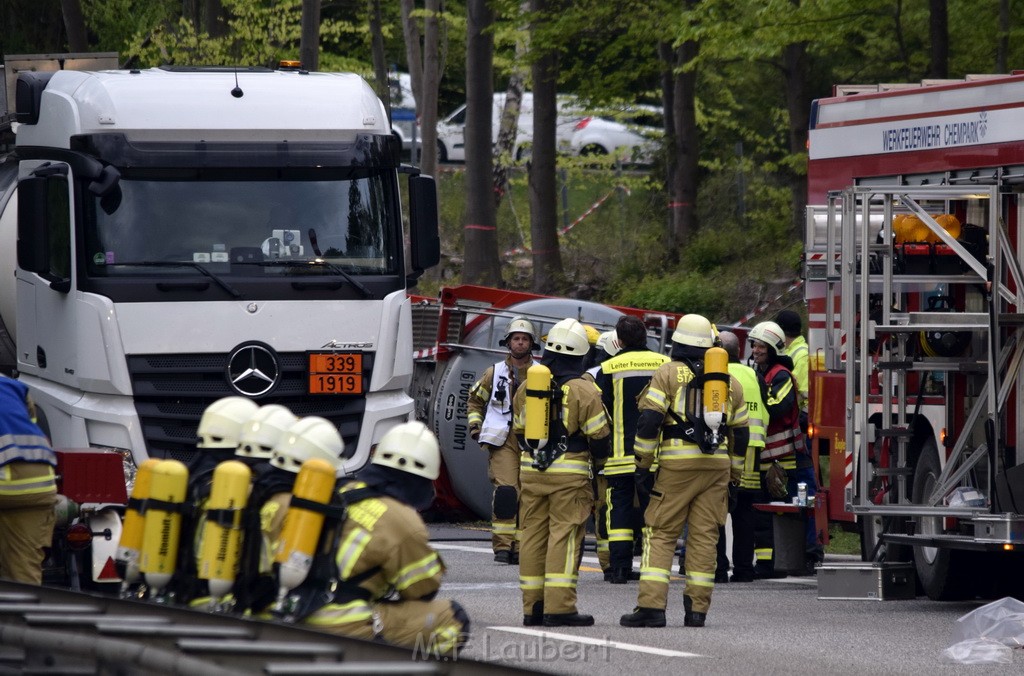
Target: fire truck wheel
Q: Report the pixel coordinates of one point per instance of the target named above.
(944, 573)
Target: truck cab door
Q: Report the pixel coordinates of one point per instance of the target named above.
(45, 338)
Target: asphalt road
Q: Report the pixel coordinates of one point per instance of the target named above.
(765, 627)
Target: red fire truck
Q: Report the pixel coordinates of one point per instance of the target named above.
(916, 304)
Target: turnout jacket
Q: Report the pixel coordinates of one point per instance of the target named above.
(784, 438)
(667, 392)
(585, 420)
(384, 545)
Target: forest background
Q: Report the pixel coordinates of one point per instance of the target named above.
(714, 226)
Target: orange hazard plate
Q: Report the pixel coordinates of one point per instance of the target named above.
(336, 373)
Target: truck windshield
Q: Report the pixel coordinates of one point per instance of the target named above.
(245, 223)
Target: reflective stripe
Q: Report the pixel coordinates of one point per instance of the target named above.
(560, 466)
(787, 463)
(763, 554)
(560, 580)
(700, 579)
(350, 551)
(657, 397)
(341, 613)
(475, 418)
(424, 569)
(594, 424)
(503, 527)
(620, 535)
(27, 448)
(659, 575)
(645, 446)
(37, 484)
(531, 582)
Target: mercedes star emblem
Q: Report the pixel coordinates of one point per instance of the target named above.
(253, 369)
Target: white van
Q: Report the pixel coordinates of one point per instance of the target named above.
(451, 135)
(403, 110)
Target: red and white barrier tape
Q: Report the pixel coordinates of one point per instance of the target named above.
(561, 231)
(768, 303)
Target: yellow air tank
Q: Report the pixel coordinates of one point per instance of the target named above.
(302, 526)
(134, 522)
(538, 406)
(219, 551)
(163, 523)
(716, 392)
(949, 223)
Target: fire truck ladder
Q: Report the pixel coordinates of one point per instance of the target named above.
(879, 297)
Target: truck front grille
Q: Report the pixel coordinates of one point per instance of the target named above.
(171, 391)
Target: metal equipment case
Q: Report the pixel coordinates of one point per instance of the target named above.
(871, 581)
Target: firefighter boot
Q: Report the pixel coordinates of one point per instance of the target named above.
(622, 575)
(536, 618)
(644, 617)
(691, 618)
(568, 620)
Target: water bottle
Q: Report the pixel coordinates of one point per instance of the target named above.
(801, 494)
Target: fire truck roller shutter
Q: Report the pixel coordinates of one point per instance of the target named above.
(465, 461)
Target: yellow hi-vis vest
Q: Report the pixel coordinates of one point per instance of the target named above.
(750, 383)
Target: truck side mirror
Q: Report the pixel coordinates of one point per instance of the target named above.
(426, 244)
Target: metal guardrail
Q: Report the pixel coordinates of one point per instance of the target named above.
(50, 630)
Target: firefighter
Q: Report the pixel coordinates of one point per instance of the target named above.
(219, 430)
(28, 486)
(490, 421)
(621, 379)
(309, 437)
(557, 494)
(384, 552)
(694, 472)
(744, 544)
(784, 441)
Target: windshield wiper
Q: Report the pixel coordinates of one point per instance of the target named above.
(183, 264)
(315, 262)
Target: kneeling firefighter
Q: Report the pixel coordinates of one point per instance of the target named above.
(219, 430)
(561, 424)
(263, 518)
(386, 573)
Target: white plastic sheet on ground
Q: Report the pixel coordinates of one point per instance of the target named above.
(988, 634)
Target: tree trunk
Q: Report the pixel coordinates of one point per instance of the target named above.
(938, 35)
(309, 48)
(380, 62)
(1003, 36)
(547, 260)
(431, 82)
(74, 24)
(508, 131)
(668, 111)
(798, 103)
(215, 26)
(683, 190)
(413, 53)
(480, 236)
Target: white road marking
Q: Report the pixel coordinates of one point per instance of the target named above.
(478, 586)
(647, 650)
(460, 548)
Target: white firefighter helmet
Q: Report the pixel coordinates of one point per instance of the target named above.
(410, 447)
(695, 331)
(568, 337)
(263, 430)
(609, 342)
(519, 325)
(222, 422)
(770, 334)
(310, 437)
